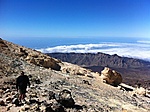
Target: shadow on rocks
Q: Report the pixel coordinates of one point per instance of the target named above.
(77, 107)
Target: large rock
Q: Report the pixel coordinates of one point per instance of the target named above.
(111, 76)
(43, 61)
(65, 98)
(74, 70)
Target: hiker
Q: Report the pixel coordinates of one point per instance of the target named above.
(21, 85)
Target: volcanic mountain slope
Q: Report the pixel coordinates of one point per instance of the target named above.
(100, 59)
(134, 71)
(48, 76)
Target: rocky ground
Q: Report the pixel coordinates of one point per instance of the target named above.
(83, 90)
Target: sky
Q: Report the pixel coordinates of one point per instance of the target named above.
(74, 18)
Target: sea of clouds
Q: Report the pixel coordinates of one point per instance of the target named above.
(140, 49)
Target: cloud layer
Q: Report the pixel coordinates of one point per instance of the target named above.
(140, 50)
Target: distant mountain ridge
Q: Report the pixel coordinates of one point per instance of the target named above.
(100, 59)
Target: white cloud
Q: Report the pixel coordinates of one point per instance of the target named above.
(139, 50)
(143, 41)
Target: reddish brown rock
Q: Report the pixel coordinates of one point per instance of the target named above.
(111, 76)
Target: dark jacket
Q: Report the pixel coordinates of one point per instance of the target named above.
(22, 82)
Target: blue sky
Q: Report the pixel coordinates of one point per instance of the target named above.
(74, 18)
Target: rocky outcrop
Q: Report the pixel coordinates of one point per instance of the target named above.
(111, 76)
(43, 61)
(74, 69)
(29, 55)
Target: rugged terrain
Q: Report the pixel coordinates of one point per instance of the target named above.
(49, 76)
(134, 71)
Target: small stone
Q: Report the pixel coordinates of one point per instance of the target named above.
(33, 101)
(86, 82)
(1, 91)
(27, 107)
(8, 99)
(57, 107)
(51, 95)
(7, 95)
(22, 109)
(35, 107)
(9, 106)
(33, 95)
(44, 94)
(42, 108)
(7, 91)
(37, 81)
(15, 101)
(2, 103)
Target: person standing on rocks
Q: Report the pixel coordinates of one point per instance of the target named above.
(21, 84)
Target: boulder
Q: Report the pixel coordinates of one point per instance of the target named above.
(65, 98)
(74, 70)
(40, 60)
(111, 76)
(50, 63)
(2, 103)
